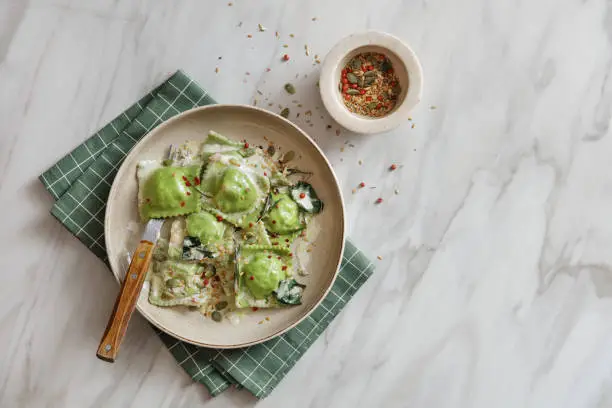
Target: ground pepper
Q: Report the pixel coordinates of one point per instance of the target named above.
(369, 86)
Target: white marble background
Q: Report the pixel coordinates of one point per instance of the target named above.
(495, 287)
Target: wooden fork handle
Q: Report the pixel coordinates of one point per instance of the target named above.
(126, 302)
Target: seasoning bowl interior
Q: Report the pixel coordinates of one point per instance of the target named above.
(399, 70)
(406, 67)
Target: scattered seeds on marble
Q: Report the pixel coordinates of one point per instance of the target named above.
(360, 162)
(413, 126)
(306, 50)
(353, 191)
(314, 19)
(285, 46)
(393, 167)
(379, 200)
(217, 70)
(379, 258)
(261, 28)
(230, 4)
(285, 57)
(433, 107)
(396, 191)
(289, 88)
(276, 34)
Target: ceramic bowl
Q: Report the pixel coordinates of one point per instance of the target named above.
(405, 65)
(123, 228)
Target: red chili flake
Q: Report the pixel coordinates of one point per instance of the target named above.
(187, 183)
(268, 70)
(380, 98)
(393, 167)
(290, 254)
(219, 218)
(273, 221)
(344, 88)
(184, 178)
(344, 81)
(285, 57)
(354, 86)
(246, 145)
(250, 225)
(390, 71)
(265, 174)
(302, 195)
(205, 282)
(269, 256)
(278, 257)
(254, 308)
(252, 277)
(379, 200)
(347, 97)
(188, 193)
(368, 98)
(362, 184)
(286, 239)
(196, 181)
(379, 106)
(148, 200)
(275, 243)
(284, 268)
(362, 91)
(182, 203)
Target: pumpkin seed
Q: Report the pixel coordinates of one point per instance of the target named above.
(221, 305)
(355, 64)
(216, 316)
(352, 78)
(361, 82)
(372, 105)
(352, 92)
(174, 283)
(285, 113)
(369, 74)
(289, 88)
(369, 81)
(290, 155)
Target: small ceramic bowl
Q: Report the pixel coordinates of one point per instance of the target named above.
(405, 65)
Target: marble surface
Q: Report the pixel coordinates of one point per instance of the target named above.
(495, 284)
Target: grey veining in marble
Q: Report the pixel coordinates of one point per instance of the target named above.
(495, 284)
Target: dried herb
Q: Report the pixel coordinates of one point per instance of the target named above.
(369, 86)
(285, 113)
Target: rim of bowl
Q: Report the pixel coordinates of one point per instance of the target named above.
(330, 74)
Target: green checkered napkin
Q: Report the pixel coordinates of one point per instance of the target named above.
(80, 183)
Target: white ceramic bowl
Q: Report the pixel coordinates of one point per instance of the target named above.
(259, 127)
(405, 65)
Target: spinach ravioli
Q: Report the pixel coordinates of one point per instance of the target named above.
(232, 215)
